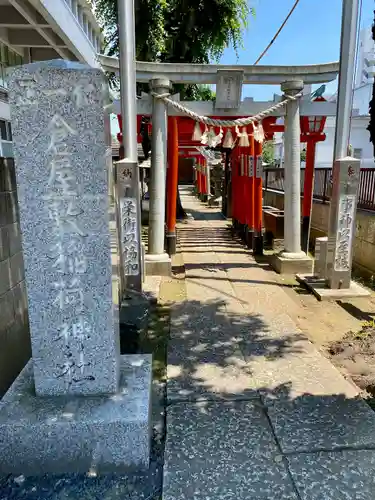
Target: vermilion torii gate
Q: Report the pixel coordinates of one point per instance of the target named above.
(292, 80)
(247, 174)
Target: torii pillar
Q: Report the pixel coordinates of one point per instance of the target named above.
(292, 260)
(157, 261)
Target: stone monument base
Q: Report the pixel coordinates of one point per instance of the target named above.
(318, 286)
(158, 265)
(79, 434)
(285, 265)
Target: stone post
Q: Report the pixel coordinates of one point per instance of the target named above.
(292, 260)
(58, 120)
(292, 194)
(157, 260)
(341, 231)
(320, 257)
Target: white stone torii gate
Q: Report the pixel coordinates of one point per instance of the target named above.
(292, 80)
(207, 73)
(248, 107)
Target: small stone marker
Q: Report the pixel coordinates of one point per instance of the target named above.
(341, 229)
(129, 216)
(320, 256)
(58, 124)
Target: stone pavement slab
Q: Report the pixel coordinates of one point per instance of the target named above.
(217, 451)
(309, 423)
(290, 365)
(204, 355)
(340, 475)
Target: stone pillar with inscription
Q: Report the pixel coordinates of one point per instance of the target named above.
(94, 412)
(334, 254)
(341, 231)
(129, 226)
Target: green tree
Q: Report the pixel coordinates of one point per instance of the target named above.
(268, 152)
(179, 31)
(199, 93)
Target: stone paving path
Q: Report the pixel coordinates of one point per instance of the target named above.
(254, 410)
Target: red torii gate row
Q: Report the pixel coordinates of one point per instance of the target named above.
(247, 189)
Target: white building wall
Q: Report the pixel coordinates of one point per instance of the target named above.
(361, 98)
(366, 50)
(359, 140)
(72, 31)
(324, 150)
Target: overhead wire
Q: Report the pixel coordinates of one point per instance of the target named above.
(278, 32)
(355, 75)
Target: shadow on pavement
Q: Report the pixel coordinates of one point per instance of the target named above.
(255, 410)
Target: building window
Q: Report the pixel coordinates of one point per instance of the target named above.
(3, 82)
(357, 153)
(7, 58)
(80, 15)
(5, 131)
(74, 8)
(6, 145)
(6, 149)
(84, 24)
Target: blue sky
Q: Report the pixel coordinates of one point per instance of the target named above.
(311, 36)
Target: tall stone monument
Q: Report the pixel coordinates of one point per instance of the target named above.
(341, 230)
(78, 404)
(334, 255)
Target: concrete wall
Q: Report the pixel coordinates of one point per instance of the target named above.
(364, 243)
(14, 330)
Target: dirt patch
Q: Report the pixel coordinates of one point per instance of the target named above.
(355, 355)
(172, 290)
